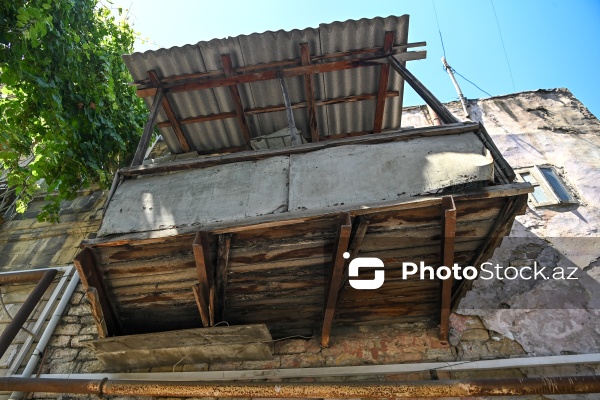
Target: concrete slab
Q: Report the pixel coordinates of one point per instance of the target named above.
(221, 193)
(363, 174)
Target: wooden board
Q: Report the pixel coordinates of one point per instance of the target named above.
(205, 345)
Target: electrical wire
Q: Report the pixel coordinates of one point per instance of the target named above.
(503, 47)
(438, 25)
(457, 73)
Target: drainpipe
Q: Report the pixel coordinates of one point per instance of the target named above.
(446, 388)
(54, 320)
(13, 328)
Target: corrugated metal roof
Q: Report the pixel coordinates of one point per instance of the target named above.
(267, 47)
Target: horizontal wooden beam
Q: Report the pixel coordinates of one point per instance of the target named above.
(283, 63)
(271, 74)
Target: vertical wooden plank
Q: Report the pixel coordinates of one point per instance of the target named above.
(337, 270)
(384, 74)
(91, 277)
(356, 243)
(202, 305)
(205, 274)
(432, 101)
(166, 104)
(221, 275)
(97, 313)
(138, 158)
(448, 236)
(237, 100)
(310, 94)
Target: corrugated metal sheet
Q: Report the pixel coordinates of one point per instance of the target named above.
(269, 47)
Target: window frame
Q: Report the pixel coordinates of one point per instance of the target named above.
(541, 181)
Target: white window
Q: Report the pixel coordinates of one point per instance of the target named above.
(548, 188)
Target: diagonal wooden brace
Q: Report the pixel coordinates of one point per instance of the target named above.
(202, 290)
(337, 273)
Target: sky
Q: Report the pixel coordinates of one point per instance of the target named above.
(502, 46)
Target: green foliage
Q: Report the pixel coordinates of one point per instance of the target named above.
(65, 99)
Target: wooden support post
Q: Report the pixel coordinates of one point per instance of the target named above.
(310, 94)
(221, 275)
(448, 236)
(205, 275)
(337, 272)
(97, 313)
(93, 283)
(173, 121)
(237, 100)
(138, 158)
(384, 75)
(445, 115)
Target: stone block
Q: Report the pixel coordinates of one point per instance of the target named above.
(302, 360)
(67, 329)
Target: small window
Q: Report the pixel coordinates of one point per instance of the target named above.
(548, 188)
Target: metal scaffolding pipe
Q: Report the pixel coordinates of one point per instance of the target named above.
(448, 388)
(13, 328)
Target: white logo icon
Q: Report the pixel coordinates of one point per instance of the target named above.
(365, 262)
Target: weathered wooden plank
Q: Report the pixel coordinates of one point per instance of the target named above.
(335, 280)
(236, 99)
(221, 275)
(97, 313)
(91, 277)
(138, 158)
(205, 271)
(202, 303)
(270, 74)
(309, 93)
(218, 344)
(447, 251)
(173, 121)
(384, 74)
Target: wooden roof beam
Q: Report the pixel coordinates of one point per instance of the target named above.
(337, 272)
(173, 121)
(310, 94)
(282, 63)
(105, 314)
(448, 237)
(275, 73)
(277, 108)
(384, 75)
(234, 91)
(202, 290)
